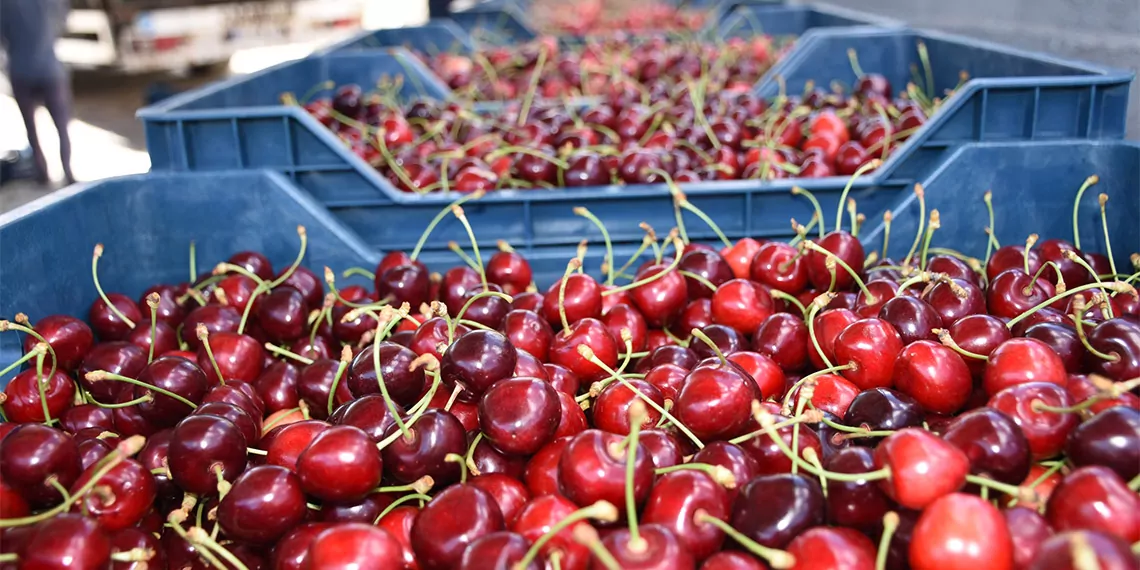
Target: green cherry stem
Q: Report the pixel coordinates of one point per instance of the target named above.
(99, 288)
(815, 204)
(920, 193)
(581, 211)
(1091, 180)
(890, 525)
(601, 510)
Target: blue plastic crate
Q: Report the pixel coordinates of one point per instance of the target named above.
(1012, 95)
(146, 224)
(495, 23)
(1019, 96)
(435, 36)
(748, 19)
(1034, 185)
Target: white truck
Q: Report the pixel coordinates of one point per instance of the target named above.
(138, 36)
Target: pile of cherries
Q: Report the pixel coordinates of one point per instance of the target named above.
(764, 405)
(690, 133)
(593, 16)
(655, 64)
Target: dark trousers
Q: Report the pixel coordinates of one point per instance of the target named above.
(55, 95)
(439, 8)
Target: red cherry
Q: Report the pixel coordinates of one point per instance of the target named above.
(740, 255)
(520, 415)
(779, 266)
(69, 337)
(741, 304)
(716, 400)
(662, 300)
(585, 332)
(1046, 430)
(961, 531)
(1095, 498)
(923, 467)
(844, 246)
(452, 520)
(1069, 550)
(354, 545)
(1023, 360)
(871, 345)
(824, 548)
(934, 375)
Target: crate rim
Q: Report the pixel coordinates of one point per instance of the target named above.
(278, 181)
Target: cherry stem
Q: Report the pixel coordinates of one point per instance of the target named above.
(95, 277)
(1091, 180)
(415, 417)
(637, 416)
(815, 307)
(458, 459)
(204, 337)
(871, 164)
(719, 473)
(1103, 199)
(1076, 258)
(41, 387)
(1039, 480)
(152, 301)
(439, 218)
(921, 194)
(1026, 495)
(768, 422)
(931, 227)
(360, 271)
(101, 375)
(581, 211)
(815, 204)
(345, 357)
(1079, 325)
(126, 448)
(601, 510)
(587, 536)
(458, 212)
(854, 60)
(1116, 286)
(176, 525)
(801, 232)
(871, 298)
(949, 342)
(471, 300)
(683, 201)
(890, 525)
(803, 397)
(37, 350)
(301, 233)
(588, 353)
(708, 341)
(671, 267)
(469, 459)
(574, 263)
(808, 417)
(21, 325)
(198, 537)
(391, 507)
(777, 559)
(383, 327)
(524, 113)
(287, 354)
(777, 294)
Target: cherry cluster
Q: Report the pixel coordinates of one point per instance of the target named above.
(671, 131)
(764, 405)
(591, 17)
(655, 65)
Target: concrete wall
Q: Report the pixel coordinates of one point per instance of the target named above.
(1099, 31)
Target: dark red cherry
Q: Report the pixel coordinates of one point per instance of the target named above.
(913, 317)
(477, 360)
(779, 266)
(528, 331)
(404, 383)
(342, 464)
(67, 541)
(1069, 550)
(520, 415)
(204, 449)
(844, 246)
(581, 299)
(408, 283)
(32, 453)
(741, 304)
(954, 299)
(264, 503)
(450, 522)
(107, 323)
(435, 435)
(716, 400)
(871, 345)
(994, 444)
(858, 504)
(774, 509)
(69, 337)
(277, 386)
(238, 356)
(783, 337)
(611, 409)
(122, 358)
(1110, 438)
(883, 409)
(981, 335)
(1118, 337)
(708, 265)
(585, 332)
(24, 403)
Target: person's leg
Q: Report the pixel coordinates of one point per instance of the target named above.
(439, 9)
(57, 99)
(27, 101)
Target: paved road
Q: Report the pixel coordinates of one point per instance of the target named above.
(106, 138)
